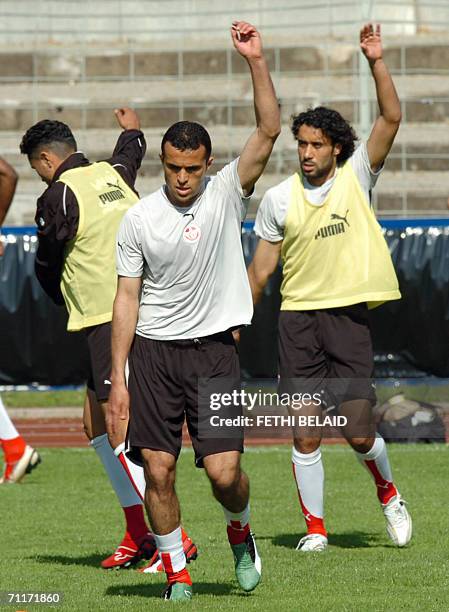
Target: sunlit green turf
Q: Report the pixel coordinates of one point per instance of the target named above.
(64, 518)
(42, 399)
(75, 398)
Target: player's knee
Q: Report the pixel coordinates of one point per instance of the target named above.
(307, 445)
(160, 476)
(224, 478)
(362, 444)
(160, 481)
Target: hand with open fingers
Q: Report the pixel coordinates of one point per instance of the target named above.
(371, 42)
(127, 118)
(246, 40)
(117, 409)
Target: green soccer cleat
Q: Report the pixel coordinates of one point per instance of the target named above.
(248, 566)
(178, 591)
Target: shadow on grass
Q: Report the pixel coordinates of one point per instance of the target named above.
(353, 539)
(88, 560)
(357, 539)
(155, 590)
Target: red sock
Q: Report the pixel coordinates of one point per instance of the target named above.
(136, 526)
(314, 524)
(173, 557)
(182, 576)
(13, 449)
(385, 489)
(183, 535)
(236, 533)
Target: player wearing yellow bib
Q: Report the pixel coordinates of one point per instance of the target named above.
(77, 217)
(336, 265)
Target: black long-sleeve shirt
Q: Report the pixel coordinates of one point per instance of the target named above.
(57, 213)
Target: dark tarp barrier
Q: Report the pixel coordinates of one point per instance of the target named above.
(411, 336)
(34, 344)
(415, 330)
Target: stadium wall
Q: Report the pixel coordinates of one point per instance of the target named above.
(75, 61)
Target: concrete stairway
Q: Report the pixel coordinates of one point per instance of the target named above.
(81, 86)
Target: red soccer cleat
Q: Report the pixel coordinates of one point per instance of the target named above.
(15, 471)
(129, 553)
(155, 564)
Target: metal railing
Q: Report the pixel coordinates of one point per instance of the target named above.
(71, 21)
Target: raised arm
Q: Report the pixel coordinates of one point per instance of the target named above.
(258, 148)
(387, 124)
(124, 321)
(264, 263)
(8, 182)
(131, 146)
(127, 118)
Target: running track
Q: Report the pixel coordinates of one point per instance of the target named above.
(60, 432)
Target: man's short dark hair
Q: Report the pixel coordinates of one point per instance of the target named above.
(332, 124)
(47, 133)
(187, 135)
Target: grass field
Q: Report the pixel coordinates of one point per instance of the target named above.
(42, 399)
(55, 530)
(75, 398)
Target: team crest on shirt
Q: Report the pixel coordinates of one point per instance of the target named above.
(191, 234)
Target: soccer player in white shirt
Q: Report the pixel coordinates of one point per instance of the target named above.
(182, 290)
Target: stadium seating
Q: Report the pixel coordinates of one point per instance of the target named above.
(80, 83)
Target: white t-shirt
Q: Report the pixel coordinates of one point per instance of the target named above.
(194, 280)
(270, 219)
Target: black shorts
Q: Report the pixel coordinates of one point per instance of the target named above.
(327, 350)
(99, 344)
(163, 385)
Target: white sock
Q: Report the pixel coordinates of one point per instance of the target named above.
(7, 429)
(135, 472)
(378, 454)
(120, 481)
(376, 462)
(237, 520)
(171, 551)
(309, 476)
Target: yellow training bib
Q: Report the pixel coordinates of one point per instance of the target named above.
(335, 255)
(89, 277)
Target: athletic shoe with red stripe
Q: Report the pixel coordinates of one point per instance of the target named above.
(155, 564)
(15, 471)
(129, 552)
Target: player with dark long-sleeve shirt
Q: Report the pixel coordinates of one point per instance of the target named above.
(57, 214)
(77, 218)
